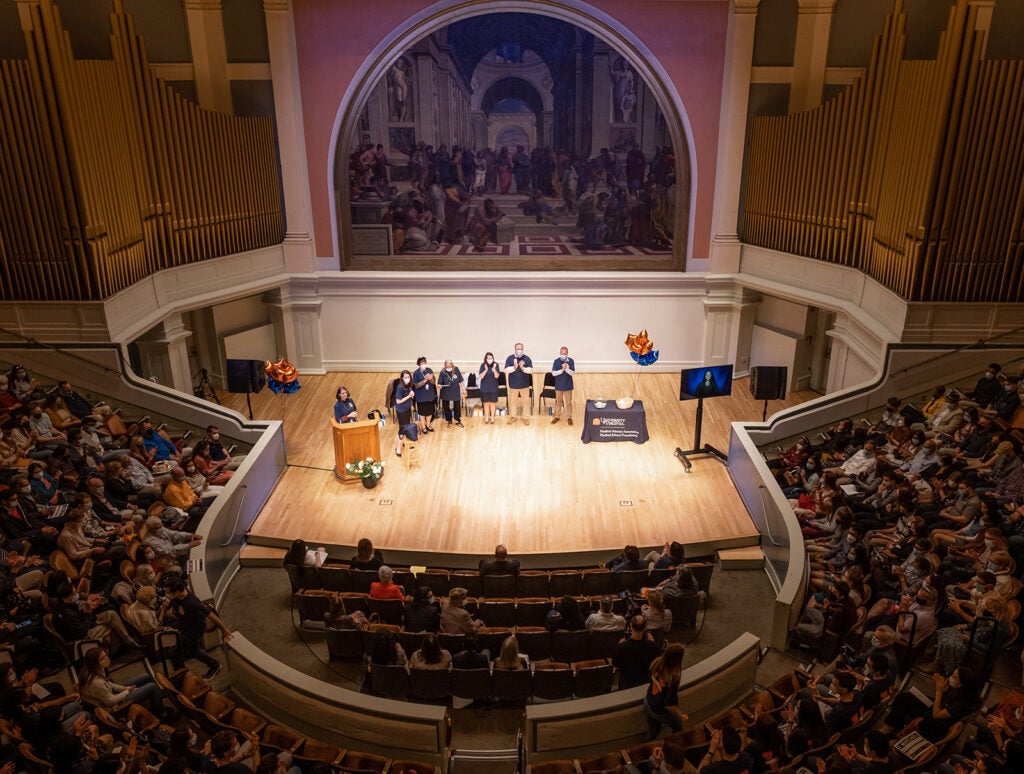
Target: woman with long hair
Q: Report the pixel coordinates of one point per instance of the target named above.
(405, 397)
(661, 704)
(98, 689)
(430, 655)
(212, 471)
(658, 617)
(367, 557)
(509, 657)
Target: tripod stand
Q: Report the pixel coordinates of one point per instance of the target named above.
(204, 388)
(697, 448)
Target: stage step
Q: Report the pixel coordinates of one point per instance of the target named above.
(260, 556)
(749, 558)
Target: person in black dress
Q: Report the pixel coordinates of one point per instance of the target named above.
(487, 377)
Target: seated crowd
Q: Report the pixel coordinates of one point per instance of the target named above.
(914, 531)
(642, 619)
(97, 518)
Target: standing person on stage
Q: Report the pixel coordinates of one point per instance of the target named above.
(453, 390)
(426, 394)
(519, 368)
(405, 394)
(345, 407)
(487, 378)
(563, 369)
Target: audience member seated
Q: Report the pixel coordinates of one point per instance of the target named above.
(629, 559)
(421, 613)
(671, 556)
(214, 472)
(167, 543)
(144, 614)
(79, 619)
(179, 494)
(841, 614)
(155, 443)
(604, 619)
(634, 654)
(198, 482)
(471, 656)
(99, 690)
(80, 546)
(22, 386)
(510, 658)
(386, 650)
(455, 619)
(367, 557)
(987, 389)
(384, 588)
(956, 697)
(500, 564)
(566, 615)
(220, 456)
(1007, 402)
(656, 615)
(431, 655)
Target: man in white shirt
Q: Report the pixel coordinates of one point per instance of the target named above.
(859, 464)
(604, 620)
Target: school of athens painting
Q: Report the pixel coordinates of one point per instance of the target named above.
(514, 129)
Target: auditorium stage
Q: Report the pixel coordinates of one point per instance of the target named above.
(537, 489)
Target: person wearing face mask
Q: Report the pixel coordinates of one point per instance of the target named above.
(964, 509)
(8, 402)
(218, 453)
(49, 437)
(858, 464)
(405, 396)
(422, 614)
(453, 391)
(922, 605)
(563, 370)
(44, 486)
(22, 386)
(874, 757)
(924, 459)
(16, 522)
(425, 387)
(519, 369)
(1005, 404)
(144, 614)
(987, 389)
(488, 377)
(956, 697)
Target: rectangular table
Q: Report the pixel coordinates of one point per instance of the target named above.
(614, 424)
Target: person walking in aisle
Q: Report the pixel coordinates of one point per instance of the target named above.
(453, 390)
(563, 369)
(519, 368)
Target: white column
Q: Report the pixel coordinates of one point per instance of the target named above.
(810, 56)
(728, 320)
(295, 312)
(725, 242)
(291, 138)
(205, 21)
(164, 352)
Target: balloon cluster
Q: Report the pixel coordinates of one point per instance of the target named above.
(282, 376)
(641, 348)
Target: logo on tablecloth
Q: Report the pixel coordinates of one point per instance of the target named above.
(596, 422)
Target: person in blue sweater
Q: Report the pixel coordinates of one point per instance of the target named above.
(519, 368)
(424, 384)
(405, 395)
(344, 407)
(563, 369)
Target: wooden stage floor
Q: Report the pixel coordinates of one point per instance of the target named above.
(537, 489)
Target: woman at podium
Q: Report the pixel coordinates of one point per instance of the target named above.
(345, 407)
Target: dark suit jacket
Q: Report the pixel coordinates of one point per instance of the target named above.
(496, 567)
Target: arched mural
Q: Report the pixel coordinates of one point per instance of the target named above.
(514, 135)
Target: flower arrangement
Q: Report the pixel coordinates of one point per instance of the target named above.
(366, 469)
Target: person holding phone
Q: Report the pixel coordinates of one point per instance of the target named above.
(487, 378)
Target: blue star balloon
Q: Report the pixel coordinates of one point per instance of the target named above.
(646, 359)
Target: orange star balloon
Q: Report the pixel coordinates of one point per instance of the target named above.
(639, 343)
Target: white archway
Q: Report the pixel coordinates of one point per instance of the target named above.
(580, 14)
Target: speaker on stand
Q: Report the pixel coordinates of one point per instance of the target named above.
(768, 383)
(246, 376)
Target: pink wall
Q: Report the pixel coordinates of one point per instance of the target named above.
(335, 37)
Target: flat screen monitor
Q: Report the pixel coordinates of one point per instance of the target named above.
(705, 382)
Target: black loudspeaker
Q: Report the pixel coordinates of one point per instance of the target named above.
(768, 382)
(246, 375)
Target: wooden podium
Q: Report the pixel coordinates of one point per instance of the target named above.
(354, 441)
